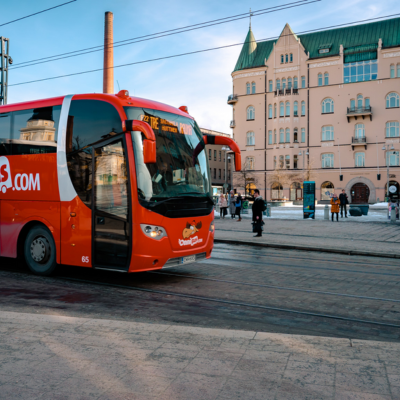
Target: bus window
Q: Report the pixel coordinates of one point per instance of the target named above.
(5, 132)
(34, 131)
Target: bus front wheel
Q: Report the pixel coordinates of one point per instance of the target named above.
(40, 251)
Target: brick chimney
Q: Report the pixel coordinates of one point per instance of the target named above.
(108, 70)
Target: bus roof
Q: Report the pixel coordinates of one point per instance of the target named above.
(116, 100)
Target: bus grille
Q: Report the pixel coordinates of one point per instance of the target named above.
(176, 262)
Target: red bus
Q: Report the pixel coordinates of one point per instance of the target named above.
(105, 181)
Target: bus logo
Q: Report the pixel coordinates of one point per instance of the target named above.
(191, 229)
(22, 182)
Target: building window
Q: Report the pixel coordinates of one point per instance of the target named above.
(291, 57)
(289, 83)
(287, 162)
(247, 88)
(392, 100)
(270, 111)
(281, 161)
(392, 129)
(296, 108)
(360, 71)
(209, 154)
(274, 162)
(219, 174)
(229, 175)
(326, 79)
(275, 136)
(319, 79)
(398, 70)
(327, 106)
(215, 173)
(295, 161)
(269, 137)
(327, 160)
(392, 158)
(287, 135)
(278, 84)
(327, 133)
(352, 104)
(327, 189)
(250, 139)
(281, 109)
(359, 131)
(303, 108)
(359, 101)
(281, 136)
(295, 135)
(286, 58)
(366, 103)
(295, 85)
(392, 71)
(276, 191)
(282, 59)
(253, 87)
(287, 109)
(215, 155)
(360, 159)
(219, 155)
(270, 87)
(283, 83)
(303, 135)
(250, 162)
(250, 113)
(303, 82)
(275, 110)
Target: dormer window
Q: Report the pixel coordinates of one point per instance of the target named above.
(324, 48)
(321, 51)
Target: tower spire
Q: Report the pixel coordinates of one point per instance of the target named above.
(251, 14)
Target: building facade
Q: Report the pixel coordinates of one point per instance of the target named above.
(219, 167)
(322, 106)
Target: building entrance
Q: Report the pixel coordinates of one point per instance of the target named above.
(359, 193)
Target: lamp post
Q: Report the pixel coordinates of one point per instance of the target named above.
(387, 147)
(226, 168)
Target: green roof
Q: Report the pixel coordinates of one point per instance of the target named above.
(350, 37)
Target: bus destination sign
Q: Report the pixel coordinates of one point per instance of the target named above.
(167, 126)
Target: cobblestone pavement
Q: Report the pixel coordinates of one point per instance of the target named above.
(58, 357)
(367, 237)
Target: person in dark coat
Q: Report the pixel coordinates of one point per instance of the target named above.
(257, 209)
(344, 200)
(238, 205)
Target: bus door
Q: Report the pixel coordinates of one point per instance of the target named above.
(111, 206)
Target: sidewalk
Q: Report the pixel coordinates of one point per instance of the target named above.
(346, 236)
(57, 357)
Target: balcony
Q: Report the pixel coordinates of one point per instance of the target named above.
(359, 112)
(232, 124)
(358, 141)
(286, 92)
(232, 98)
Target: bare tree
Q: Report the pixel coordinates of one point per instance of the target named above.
(309, 172)
(284, 177)
(244, 178)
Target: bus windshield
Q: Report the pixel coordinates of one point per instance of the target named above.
(178, 172)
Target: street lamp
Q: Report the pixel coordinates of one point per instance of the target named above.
(387, 147)
(224, 148)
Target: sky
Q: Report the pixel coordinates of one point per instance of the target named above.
(201, 81)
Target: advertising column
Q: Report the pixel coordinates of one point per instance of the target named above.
(309, 199)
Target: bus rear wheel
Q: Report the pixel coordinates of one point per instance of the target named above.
(40, 251)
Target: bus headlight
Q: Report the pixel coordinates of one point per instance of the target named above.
(154, 231)
(212, 227)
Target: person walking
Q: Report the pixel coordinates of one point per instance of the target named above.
(223, 205)
(344, 200)
(257, 209)
(335, 204)
(231, 205)
(238, 206)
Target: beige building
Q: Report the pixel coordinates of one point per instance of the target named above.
(322, 106)
(216, 158)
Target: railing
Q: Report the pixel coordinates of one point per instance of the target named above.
(359, 110)
(361, 140)
(232, 124)
(232, 98)
(295, 91)
(286, 91)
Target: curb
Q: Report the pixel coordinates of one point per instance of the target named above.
(307, 248)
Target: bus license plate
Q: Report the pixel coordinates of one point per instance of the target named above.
(188, 259)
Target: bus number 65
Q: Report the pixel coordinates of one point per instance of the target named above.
(85, 259)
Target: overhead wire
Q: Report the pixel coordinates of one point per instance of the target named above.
(192, 52)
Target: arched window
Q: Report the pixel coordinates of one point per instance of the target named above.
(392, 129)
(359, 131)
(296, 108)
(327, 133)
(286, 58)
(250, 140)
(275, 110)
(289, 83)
(281, 109)
(303, 108)
(327, 106)
(392, 71)
(327, 189)
(398, 70)
(278, 84)
(247, 88)
(282, 59)
(287, 135)
(287, 109)
(270, 111)
(270, 86)
(303, 135)
(274, 135)
(276, 191)
(392, 158)
(291, 57)
(352, 105)
(320, 79)
(269, 137)
(295, 84)
(359, 101)
(250, 162)
(359, 159)
(295, 191)
(303, 82)
(281, 136)
(392, 100)
(251, 114)
(295, 135)
(366, 103)
(284, 83)
(253, 87)
(327, 160)
(326, 79)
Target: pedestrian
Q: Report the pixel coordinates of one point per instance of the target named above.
(238, 206)
(223, 205)
(344, 200)
(257, 209)
(231, 205)
(335, 204)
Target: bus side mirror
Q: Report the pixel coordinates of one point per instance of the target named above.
(149, 144)
(223, 140)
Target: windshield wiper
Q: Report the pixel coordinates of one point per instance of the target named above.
(155, 203)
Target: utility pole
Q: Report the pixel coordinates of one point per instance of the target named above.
(5, 60)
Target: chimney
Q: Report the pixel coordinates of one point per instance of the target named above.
(108, 68)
